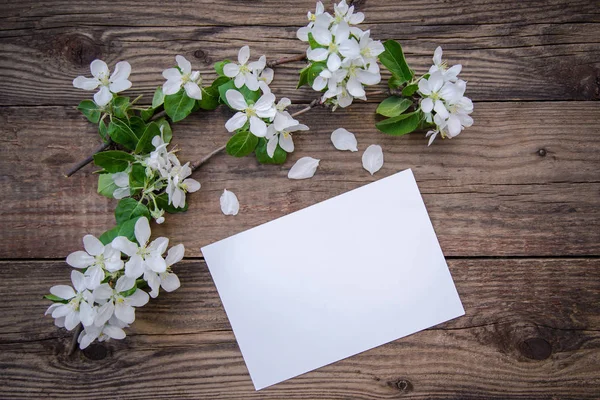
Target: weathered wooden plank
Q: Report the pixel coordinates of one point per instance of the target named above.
(522, 181)
(545, 61)
(530, 331)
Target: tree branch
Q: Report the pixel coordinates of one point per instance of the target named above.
(73, 345)
(284, 60)
(89, 159)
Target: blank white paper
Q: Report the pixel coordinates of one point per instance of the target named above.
(334, 279)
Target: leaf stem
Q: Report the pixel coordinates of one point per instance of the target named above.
(73, 345)
(89, 159)
(285, 60)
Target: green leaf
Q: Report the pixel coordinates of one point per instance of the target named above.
(178, 105)
(137, 176)
(120, 107)
(219, 67)
(159, 97)
(125, 134)
(113, 160)
(126, 229)
(312, 42)
(147, 114)
(249, 95)
(145, 146)
(129, 292)
(162, 202)
(166, 129)
(106, 185)
(393, 59)
(409, 90)
(241, 144)
(314, 71)
(90, 110)
(303, 77)
(262, 156)
(103, 131)
(55, 299)
(401, 124)
(210, 98)
(129, 208)
(393, 106)
(394, 82)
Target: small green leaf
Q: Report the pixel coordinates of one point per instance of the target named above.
(401, 124)
(241, 144)
(262, 156)
(394, 82)
(106, 185)
(159, 97)
(147, 114)
(129, 292)
(312, 42)
(145, 146)
(249, 95)
(162, 202)
(103, 131)
(178, 105)
(303, 77)
(55, 299)
(314, 71)
(393, 59)
(123, 133)
(129, 208)
(210, 98)
(113, 160)
(166, 129)
(120, 107)
(393, 106)
(90, 110)
(126, 229)
(409, 90)
(219, 67)
(137, 177)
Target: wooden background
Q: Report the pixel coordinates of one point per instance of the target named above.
(515, 200)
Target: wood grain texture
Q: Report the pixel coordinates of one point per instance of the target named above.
(522, 181)
(531, 330)
(511, 61)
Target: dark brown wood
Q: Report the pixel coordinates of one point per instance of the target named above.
(522, 181)
(531, 330)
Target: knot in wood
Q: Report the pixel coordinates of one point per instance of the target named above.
(95, 352)
(79, 49)
(536, 349)
(402, 385)
(542, 152)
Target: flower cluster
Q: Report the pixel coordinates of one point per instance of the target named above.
(104, 296)
(344, 58)
(444, 102)
(260, 124)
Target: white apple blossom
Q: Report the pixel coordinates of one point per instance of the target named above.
(280, 132)
(142, 255)
(369, 49)
(434, 92)
(96, 259)
(176, 78)
(449, 74)
(121, 179)
(167, 280)
(109, 84)
(116, 302)
(113, 329)
(340, 44)
(79, 306)
(229, 203)
(263, 108)
(319, 18)
(179, 184)
(245, 73)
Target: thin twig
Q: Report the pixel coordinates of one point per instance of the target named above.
(88, 160)
(158, 115)
(74, 340)
(284, 60)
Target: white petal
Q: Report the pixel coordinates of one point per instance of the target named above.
(193, 90)
(103, 96)
(244, 55)
(124, 245)
(304, 168)
(170, 282)
(454, 127)
(93, 277)
(52, 307)
(424, 87)
(440, 109)
(172, 86)
(80, 259)
(372, 158)
(92, 245)
(104, 313)
(258, 127)
(368, 78)
(265, 102)
(258, 65)
(432, 137)
(452, 73)
(333, 62)
(191, 185)
(122, 72)
(119, 86)
(125, 312)
(318, 54)
(287, 143)
(142, 231)
(251, 81)
(236, 122)
(171, 74)
(355, 88)
(344, 140)
(239, 80)
(153, 281)
(81, 82)
(158, 246)
(121, 179)
(349, 48)
(175, 254)
(436, 81)
(272, 144)
(302, 33)
(61, 310)
(63, 291)
(134, 268)
(229, 203)
(236, 100)
(99, 68)
(139, 298)
(86, 314)
(71, 320)
(231, 70)
(437, 55)
(342, 32)
(357, 18)
(103, 292)
(319, 83)
(322, 36)
(427, 105)
(283, 120)
(185, 65)
(267, 75)
(78, 280)
(124, 283)
(156, 264)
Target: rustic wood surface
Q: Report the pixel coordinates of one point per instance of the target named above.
(515, 200)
